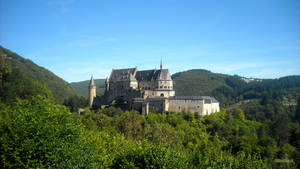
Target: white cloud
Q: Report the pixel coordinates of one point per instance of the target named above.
(88, 40)
(77, 44)
(64, 5)
(109, 40)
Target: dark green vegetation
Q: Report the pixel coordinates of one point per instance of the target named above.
(232, 89)
(14, 84)
(82, 87)
(59, 88)
(36, 132)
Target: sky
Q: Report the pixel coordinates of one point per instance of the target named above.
(79, 38)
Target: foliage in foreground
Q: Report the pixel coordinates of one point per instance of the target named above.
(35, 133)
(38, 134)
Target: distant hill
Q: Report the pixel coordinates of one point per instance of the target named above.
(232, 89)
(58, 87)
(82, 87)
(198, 82)
(227, 89)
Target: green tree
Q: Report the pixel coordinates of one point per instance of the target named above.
(297, 113)
(37, 134)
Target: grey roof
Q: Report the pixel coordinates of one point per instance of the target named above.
(92, 83)
(145, 75)
(213, 100)
(148, 75)
(122, 74)
(164, 74)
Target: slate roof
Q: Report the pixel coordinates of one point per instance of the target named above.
(164, 74)
(145, 75)
(148, 75)
(122, 74)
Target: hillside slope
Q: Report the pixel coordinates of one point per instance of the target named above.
(197, 82)
(82, 87)
(58, 87)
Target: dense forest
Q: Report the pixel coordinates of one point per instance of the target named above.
(258, 129)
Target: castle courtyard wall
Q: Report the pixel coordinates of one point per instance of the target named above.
(193, 106)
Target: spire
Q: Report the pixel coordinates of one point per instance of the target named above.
(92, 83)
(160, 63)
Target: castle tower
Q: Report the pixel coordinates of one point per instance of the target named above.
(92, 91)
(107, 84)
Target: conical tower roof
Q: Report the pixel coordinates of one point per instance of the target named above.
(92, 83)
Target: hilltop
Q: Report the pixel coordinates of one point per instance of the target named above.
(58, 87)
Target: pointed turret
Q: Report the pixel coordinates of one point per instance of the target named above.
(92, 91)
(160, 63)
(92, 83)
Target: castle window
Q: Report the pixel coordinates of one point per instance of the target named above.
(162, 95)
(165, 87)
(161, 87)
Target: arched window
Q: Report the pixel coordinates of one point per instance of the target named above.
(162, 95)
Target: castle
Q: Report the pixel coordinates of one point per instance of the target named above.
(150, 90)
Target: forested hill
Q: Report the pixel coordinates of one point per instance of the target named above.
(58, 87)
(201, 82)
(82, 87)
(232, 89)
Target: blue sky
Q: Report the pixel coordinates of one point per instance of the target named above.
(78, 38)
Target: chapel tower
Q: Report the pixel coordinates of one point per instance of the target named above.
(92, 91)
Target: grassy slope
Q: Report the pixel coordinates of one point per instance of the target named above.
(59, 88)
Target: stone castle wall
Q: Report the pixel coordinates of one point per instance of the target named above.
(193, 106)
